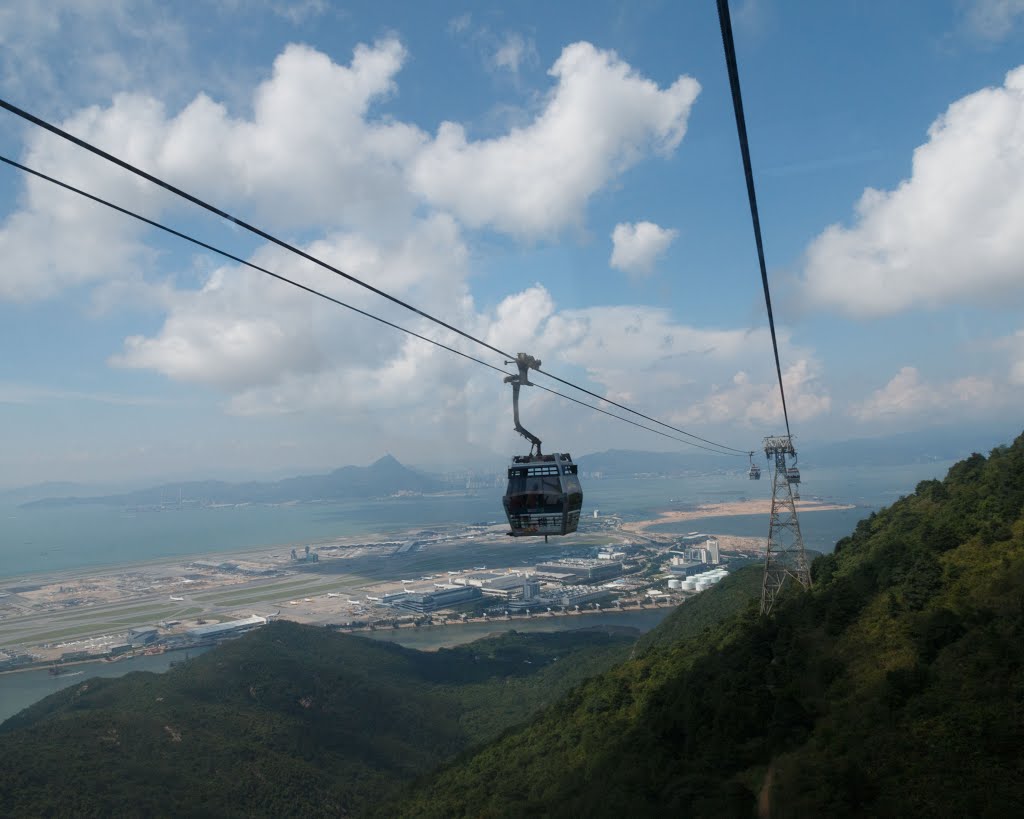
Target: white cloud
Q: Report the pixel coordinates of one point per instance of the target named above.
(276, 352)
(513, 51)
(758, 402)
(298, 12)
(601, 118)
(259, 340)
(907, 394)
(993, 19)
(1015, 345)
(953, 232)
(460, 24)
(310, 156)
(640, 355)
(116, 45)
(313, 156)
(14, 393)
(635, 247)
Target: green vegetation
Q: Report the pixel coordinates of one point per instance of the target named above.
(894, 688)
(289, 720)
(735, 593)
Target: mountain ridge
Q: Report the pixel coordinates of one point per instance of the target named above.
(385, 476)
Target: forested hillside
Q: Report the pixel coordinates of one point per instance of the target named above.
(894, 688)
(288, 721)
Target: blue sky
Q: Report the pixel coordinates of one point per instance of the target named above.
(562, 179)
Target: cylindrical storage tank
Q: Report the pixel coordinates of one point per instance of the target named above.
(689, 585)
(675, 583)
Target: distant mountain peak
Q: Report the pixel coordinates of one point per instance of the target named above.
(384, 476)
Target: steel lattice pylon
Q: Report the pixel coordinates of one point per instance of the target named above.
(785, 556)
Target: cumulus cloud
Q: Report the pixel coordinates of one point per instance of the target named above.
(273, 353)
(758, 402)
(907, 394)
(953, 232)
(314, 156)
(259, 340)
(311, 156)
(640, 354)
(116, 45)
(636, 247)
(601, 118)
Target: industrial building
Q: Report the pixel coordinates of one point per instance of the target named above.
(439, 599)
(566, 597)
(142, 636)
(702, 549)
(508, 587)
(684, 567)
(578, 570)
(610, 554)
(492, 584)
(9, 659)
(231, 627)
(479, 579)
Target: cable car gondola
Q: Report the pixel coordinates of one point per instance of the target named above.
(755, 470)
(793, 473)
(544, 496)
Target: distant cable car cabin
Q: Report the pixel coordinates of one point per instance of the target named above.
(793, 473)
(755, 470)
(544, 496)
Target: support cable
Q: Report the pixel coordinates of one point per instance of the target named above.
(281, 243)
(195, 200)
(741, 127)
(732, 450)
(242, 261)
(326, 297)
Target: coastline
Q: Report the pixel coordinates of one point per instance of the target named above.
(711, 510)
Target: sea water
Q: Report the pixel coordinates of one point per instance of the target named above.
(38, 540)
(19, 689)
